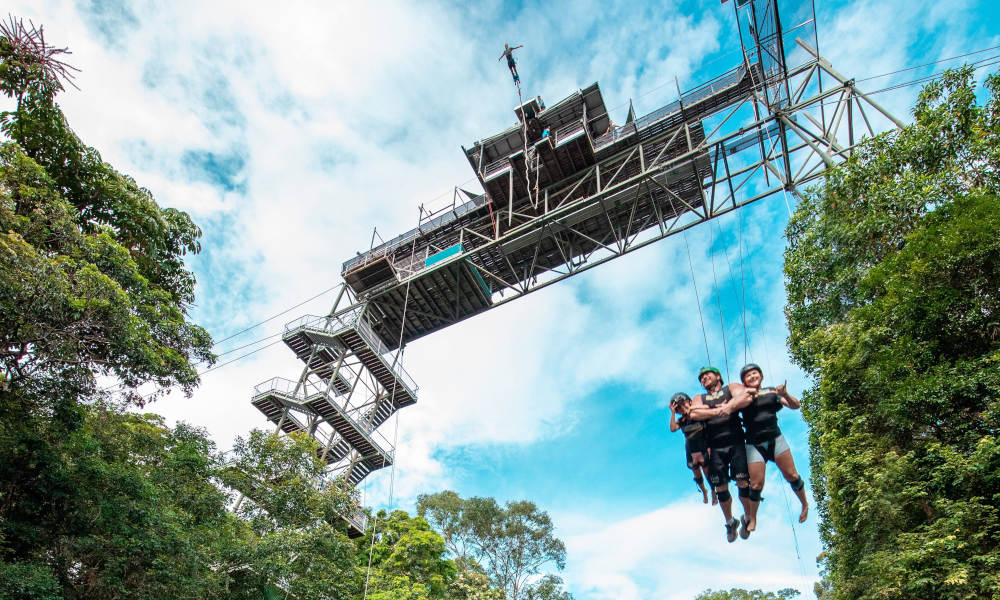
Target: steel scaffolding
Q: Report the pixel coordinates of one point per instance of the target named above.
(565, 190)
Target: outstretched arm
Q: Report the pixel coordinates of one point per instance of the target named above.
(741, 397)
(787, 399)
(516, 47)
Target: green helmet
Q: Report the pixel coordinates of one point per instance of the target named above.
(708, 370)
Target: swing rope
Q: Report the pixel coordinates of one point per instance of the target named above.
(718, 298)
(767, 357)
(395, 436)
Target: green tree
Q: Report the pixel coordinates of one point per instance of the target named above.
(92, 277)
(473, 585)
(549, 587)
(511, 544)
(93, 501)
(893, 269)
(740, 594)
(408, 560)
(293, 536)
(120, 507)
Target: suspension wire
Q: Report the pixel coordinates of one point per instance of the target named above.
(743, 288)
(975, 65)
(392, 398)
(740, 294)
(697, 297)
(795, 535)
(273, 317)
(767, 358)
(951, 58)
(718, 299)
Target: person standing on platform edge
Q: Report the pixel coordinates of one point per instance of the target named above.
(764, 442)
(509, 53)
(719, 407)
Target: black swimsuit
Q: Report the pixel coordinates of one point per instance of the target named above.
(760, 422)
(694, 440)
(728, 458)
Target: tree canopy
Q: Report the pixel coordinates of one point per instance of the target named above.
(511, 544)
(741, 594)
(893, 272)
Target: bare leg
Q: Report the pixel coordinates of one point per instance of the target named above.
(743, 484)
(786, 463)
(757, 471)
(700, 481)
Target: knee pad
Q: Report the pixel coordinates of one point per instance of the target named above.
(798, 484)
(723, 496)
(744, 492)
(755, 495)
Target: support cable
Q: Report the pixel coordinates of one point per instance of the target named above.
(927, 64)
(718, 299)
(392, 398)
(767, 362)
(743, 289)
(740, 294)
(697, 298)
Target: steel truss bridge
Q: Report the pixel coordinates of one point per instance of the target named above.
(566, 190)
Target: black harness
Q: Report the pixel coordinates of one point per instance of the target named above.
(722, 431)
(760, 417)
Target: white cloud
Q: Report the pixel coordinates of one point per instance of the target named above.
(341, 117)
(678, 551)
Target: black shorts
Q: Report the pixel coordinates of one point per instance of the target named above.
(693, 446)
(727, 462)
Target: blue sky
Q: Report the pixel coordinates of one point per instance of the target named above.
(289, 132)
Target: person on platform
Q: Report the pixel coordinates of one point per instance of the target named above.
(509, 53)
(695, 448)
(764, 442)
(719, 408)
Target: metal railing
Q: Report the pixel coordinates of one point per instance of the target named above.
(287, 387)
(568, 130)
(495, 167)
(690, 97)
(446, 216)
(351, 320)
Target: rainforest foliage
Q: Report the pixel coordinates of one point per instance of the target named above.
(510, 544)
(893, 275)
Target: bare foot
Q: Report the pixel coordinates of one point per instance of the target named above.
(804, 513)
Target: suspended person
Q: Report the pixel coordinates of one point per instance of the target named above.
(509, 53)
(719, 407)
(764, 442)
(695, 447)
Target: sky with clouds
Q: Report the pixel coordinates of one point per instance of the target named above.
(289, 131)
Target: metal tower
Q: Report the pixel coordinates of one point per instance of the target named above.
(567, 189)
